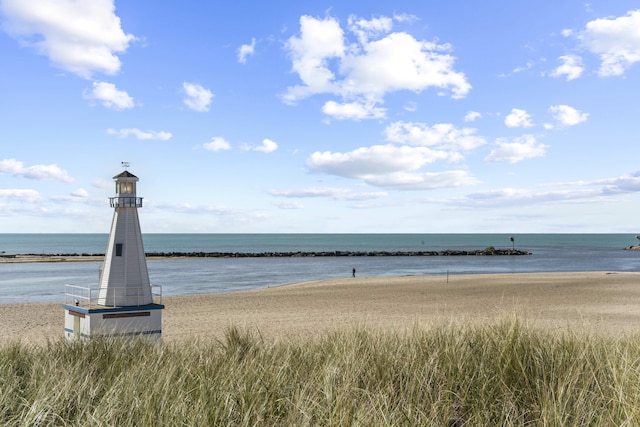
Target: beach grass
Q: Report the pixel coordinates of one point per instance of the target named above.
(503, 373)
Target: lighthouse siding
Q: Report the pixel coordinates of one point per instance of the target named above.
(125, 279)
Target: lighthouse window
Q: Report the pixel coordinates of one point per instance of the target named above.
(118, 249)
(124, 187)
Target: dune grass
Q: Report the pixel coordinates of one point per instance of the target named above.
(504, 373)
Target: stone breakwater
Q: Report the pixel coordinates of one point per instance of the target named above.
(490, 251)
(448, 252)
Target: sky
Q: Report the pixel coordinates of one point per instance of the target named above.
(305, 116)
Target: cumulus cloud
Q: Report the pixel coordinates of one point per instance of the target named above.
(366, 162)
(568, 116)
(110, 96)
(139, 134)
(615, 40)
(472, 116)
(571, 67)
(246, 50)
(353, 110)
(363, 70)
(197, 97)
(518, 119)
(28, 196)
(39, 172)
(388, 166)
(519, 149)
(398, 165)
(217, 143)
(80, 37)
(442, 135)
(267, 146)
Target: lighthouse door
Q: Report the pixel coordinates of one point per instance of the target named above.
(76, 327)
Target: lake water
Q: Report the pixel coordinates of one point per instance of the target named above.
(44, 282)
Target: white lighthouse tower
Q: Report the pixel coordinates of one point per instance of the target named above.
(124, 303)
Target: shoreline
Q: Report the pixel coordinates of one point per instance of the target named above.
(591, 302)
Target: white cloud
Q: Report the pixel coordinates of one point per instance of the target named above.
(526, 196)
(82, 37)
(197, 97)
(110, 96)
(423, 181)
(568, 192)
(353, 110)
(367, 162)
(615, 40)
(472, 116)
(568, 116)
(246, 50)
(139, 134)
(364, 29)
(80, 193)
(525, 67)
(29, 196)
(389, 166)
(362, 71)
(518, 118)
(441, 135)
(293, 204)
(398, 166)
(400, 62)
(40, 172)
(319, 41)
(571, 67)
(522, 148)
(328, 192)
(267, 146)
(217, 143)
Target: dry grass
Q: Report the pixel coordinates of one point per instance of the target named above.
(502, 373)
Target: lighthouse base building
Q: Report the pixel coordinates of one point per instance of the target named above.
(125, 303)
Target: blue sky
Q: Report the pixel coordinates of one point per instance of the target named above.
(312, 116)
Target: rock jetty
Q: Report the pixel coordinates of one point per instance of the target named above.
(489, 251)
(448, 252)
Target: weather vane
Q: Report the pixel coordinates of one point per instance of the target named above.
(125, 165)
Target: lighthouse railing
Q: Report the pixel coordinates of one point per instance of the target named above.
(125, 202)
(87, 297)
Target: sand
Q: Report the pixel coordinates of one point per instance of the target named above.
(593, 302)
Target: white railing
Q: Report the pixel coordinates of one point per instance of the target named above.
(125, 202)
(87, 297)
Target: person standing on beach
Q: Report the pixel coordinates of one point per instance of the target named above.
(353, 272)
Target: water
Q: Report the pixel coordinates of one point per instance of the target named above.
(40, 282)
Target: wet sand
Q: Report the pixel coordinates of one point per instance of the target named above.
(593, 302)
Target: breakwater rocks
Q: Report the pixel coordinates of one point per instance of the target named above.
(490, 251)
(448, 252)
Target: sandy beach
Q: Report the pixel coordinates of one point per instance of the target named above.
(594, 302)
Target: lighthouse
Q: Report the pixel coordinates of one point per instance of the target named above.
(124, 303)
